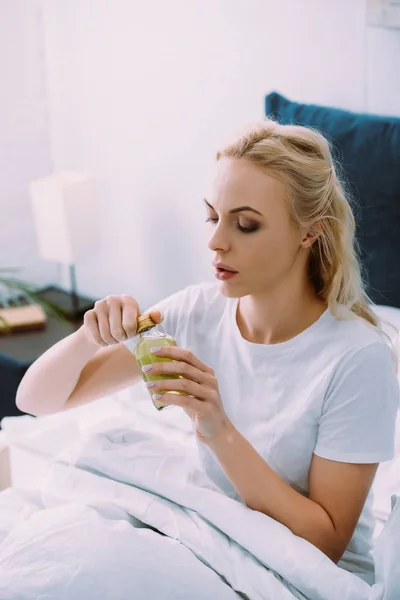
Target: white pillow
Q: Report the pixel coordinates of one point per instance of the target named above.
(387, 481)
(390, 325)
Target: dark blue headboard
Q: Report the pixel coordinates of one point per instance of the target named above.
(368, 148)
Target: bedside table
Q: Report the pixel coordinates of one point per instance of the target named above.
(19, 350)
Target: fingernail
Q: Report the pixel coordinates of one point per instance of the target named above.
(149, 384)
(146, 368)
(157, 396)
(155, 350)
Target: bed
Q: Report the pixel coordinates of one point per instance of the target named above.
(52, 463)
(27, 444)
(31, 448)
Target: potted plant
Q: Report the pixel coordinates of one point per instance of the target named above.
(16, 293)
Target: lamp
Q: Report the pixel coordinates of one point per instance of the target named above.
(65, 217)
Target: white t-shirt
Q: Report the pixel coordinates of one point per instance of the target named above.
(331, 391)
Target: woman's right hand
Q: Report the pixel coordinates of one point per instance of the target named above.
(114, 320)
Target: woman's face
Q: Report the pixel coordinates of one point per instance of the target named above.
(262, 244)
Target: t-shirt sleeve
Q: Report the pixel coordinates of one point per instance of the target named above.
(358, 419)
(171, 308)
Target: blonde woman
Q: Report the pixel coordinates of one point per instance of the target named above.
(287, 376)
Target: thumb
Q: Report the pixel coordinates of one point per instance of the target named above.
(157, 316)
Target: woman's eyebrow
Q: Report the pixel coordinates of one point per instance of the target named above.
(236, 210)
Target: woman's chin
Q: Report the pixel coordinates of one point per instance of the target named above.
(230, 291)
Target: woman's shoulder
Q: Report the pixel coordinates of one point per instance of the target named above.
(354, 332)
(358, 345)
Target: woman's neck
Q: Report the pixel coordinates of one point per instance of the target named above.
(272, 318)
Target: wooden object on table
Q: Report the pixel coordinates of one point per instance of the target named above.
(22, 318)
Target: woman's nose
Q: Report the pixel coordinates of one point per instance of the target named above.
(218, 241)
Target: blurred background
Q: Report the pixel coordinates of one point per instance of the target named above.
(138, 96)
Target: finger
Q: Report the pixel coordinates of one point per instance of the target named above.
(181, 354)
(130, 313)
(115, 320)
(104, 325)
(179, 385)
(179, 368)
(157, 316)
(154, 313)
(92, 327)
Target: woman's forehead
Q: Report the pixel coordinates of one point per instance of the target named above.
(239, 179)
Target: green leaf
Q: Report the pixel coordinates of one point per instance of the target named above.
(29, 290)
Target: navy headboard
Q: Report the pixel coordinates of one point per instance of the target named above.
(368, 148)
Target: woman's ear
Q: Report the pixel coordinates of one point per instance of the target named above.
(311, 235)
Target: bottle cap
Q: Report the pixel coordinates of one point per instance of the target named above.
(145, 322)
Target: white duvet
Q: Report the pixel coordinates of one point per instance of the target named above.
(125, 514)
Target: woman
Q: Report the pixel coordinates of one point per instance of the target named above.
(288, 379)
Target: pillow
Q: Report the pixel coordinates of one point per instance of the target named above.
(368, 148)
(387, 480)
(391, 326)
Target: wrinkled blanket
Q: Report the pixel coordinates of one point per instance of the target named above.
(125, 514)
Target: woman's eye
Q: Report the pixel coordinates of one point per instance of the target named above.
(240, 227)
(247, 229)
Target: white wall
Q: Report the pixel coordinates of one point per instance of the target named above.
(382, 59)
(24, 134)
(143, 93)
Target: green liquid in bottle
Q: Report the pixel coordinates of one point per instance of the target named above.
(151, 337)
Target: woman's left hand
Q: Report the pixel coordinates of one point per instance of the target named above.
(202, 401)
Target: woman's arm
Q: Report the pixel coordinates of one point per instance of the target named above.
(327, 518)
(86, 365)
(73, 372)
(357, 423)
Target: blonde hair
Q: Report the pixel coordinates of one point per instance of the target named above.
(302, 159)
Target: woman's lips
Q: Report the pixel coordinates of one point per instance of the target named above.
(223, 266)
(223, 275)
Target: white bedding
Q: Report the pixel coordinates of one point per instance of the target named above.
(219, 539)
(34, 441)
(85, 531)
(82, 536)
